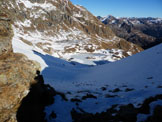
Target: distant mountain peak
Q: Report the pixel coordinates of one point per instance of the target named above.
(143, 31)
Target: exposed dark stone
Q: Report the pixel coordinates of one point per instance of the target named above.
(32, 106)
(157, 115)
(62, 95)
(88, 96)
(116, 90)
(159, 86)
(127, 113)
(53, 115)
(98, 117)
(109, 95)
(68, 92)
(150, 78)
(103, 88)
(146, 86)
(75, 100)
(128, 89)
(145, 108)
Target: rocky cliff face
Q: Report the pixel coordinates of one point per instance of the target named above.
(6, 35)
(145, 32)
(17, 73)
(57, 27)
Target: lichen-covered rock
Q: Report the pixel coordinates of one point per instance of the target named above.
(6, 35)
(17, 73)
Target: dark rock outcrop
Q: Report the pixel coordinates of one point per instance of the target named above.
(127, 113)
(123, 113)
(32, 106)
(156, 117)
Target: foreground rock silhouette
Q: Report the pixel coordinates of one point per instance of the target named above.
(32, 106)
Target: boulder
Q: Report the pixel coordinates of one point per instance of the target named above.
(17, 73)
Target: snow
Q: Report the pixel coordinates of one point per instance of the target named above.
(157, 20)
(59, 106)
(113, 21)
(63, 40)
(26, 23)
(135, 22)
(45, 5)
(56, 43)
(21, 47)
(77, 14)
(91, 58)
(106, 18)
(80, 7)
(135, 72)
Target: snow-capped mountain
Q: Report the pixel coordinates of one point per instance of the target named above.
(145, 32)
(131, 20)
(64, 30)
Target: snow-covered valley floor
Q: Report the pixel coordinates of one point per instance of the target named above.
(94, 89)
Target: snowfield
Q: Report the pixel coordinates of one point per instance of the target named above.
(130, 80)
(141, 74)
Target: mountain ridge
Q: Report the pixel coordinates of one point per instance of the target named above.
(59, 28)
(143, 31)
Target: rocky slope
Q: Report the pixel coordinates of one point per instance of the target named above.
(145, 32)
(57, 27)
(17, 73)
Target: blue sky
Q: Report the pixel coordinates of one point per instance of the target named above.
(123, 8)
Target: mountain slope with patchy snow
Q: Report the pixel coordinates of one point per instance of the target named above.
(64, 30)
